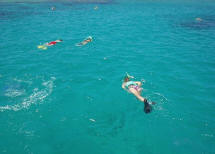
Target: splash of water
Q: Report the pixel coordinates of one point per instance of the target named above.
(36, 97)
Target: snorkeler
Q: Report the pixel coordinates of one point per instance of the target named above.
(198, 19)
(134, 87)
(53, 8)
(44, 46)
(53, 42)
(84, 42)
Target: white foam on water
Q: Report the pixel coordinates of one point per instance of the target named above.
(207, 135)
(14, 92)
(36, 97)
(22, 81)
(157, 96)
(161, 96)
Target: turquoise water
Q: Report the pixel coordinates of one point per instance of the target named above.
(69, 100)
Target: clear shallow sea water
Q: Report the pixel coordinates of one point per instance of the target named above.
(68, 99)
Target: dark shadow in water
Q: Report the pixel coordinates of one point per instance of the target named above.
(10, 11)
(67, 1)
(200, 23)
(79, 4)
(111, 126)
(82, 5)
(20, 9)
(87, 1)
(5, 15)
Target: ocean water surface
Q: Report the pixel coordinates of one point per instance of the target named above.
(68, 99)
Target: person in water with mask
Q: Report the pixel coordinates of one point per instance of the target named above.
(46, 45)
(134, 87)
(53, 42)
(84, 42)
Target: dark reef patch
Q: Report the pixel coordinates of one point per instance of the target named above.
(15, 10)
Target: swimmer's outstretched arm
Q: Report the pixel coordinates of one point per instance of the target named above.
(138, 83)
(79, 43)
(123, 86)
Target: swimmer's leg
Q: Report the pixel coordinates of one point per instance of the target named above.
(84, 42)
(137, 94)
(80, 44)
(140, 90)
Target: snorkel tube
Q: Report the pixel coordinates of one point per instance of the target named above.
(129, 76)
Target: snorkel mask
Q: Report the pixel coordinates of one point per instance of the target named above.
(90, 37)
(127, 76)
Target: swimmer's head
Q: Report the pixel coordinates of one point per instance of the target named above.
(126, 79)
(53, 8)
(88, 40)
(198, 19)
(59, 40)
(90, 37)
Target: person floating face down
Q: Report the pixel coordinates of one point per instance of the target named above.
(53, 8)
(134, 87)
(53, 42)
(84, 42)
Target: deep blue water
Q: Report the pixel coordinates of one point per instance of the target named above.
(69, 100)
